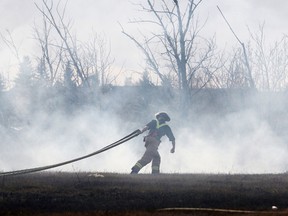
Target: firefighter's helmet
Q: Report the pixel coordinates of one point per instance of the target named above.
(164, 115)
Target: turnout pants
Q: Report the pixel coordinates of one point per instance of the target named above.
(151, 154)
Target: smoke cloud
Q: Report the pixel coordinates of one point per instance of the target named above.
(242, 141)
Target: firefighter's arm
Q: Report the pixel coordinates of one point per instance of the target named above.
(144, 129)
(173, 146)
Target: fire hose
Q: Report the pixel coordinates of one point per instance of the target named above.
(37, 169)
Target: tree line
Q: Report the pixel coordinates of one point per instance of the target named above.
(69, 74)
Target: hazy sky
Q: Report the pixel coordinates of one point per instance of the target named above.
(103, 17)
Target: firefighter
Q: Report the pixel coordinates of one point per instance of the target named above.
(157, 129)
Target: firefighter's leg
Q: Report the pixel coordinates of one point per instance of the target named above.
(146, 158)
(156, 163)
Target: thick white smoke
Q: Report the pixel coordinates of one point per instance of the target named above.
(237, 143)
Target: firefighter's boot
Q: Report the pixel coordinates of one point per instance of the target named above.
(136, 168)
(155, 170)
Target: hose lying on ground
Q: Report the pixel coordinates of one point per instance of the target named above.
(37, 169)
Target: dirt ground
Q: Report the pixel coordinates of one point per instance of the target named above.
(60, 193)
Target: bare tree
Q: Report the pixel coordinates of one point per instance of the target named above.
(233, 73)
(14, 48)
(270, 64)
(57, 21)
(90, 61)
(97, 60)
(10, 43)
(51, 57)
(176, 45)
(248, 75)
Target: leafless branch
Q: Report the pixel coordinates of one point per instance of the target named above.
(9, 41)
(249, 76)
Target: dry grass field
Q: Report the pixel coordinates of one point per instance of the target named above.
(61, 193)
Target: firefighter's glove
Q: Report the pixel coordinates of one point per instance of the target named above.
(172, 150)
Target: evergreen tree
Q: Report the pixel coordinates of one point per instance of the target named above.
(23, 92)
(2, 102)
(145, 81)
(2, 84)
(41, 73)
(68, 77)
(70, 89)
(24, 78)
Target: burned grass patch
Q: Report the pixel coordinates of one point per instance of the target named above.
(60, 192)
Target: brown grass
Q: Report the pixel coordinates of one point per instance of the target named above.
(59, 193)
